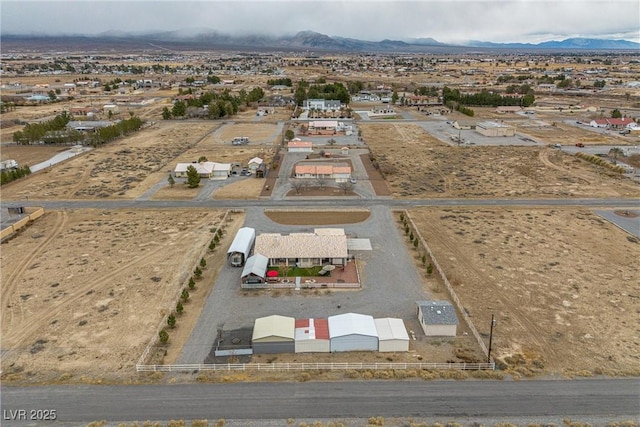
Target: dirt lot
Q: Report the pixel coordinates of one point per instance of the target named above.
(563, 305)
(30, 155)
(83, 291)
(305, 217)
(417, 165)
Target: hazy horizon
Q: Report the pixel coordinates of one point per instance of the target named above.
(453, 21)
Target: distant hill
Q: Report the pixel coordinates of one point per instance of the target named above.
(306, 40)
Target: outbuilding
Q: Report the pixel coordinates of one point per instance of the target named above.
(392, 335)
(299, 147)
(273, 334)
(352, 332)
(312, 336)
(437, 318)
(495, 129)
(255, 270)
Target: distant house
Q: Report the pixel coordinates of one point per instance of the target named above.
(321, 104)
(89, 125)
(437, 318)
(84, 111)
(463, 125)
(323, 127)
(618, 124)
(341, 172)
(382, 111)
(299, 147)
(508, 109)
(211, 170)
(495, 129)
(303, 249)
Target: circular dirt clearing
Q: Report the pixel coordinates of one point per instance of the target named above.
(317, 217)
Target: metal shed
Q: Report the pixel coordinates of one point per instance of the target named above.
(312, 336)
(273, 334)
(353, 332)
(437, 318)
(255, 269)
(392, 335)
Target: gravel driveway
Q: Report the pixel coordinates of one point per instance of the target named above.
(391, 285)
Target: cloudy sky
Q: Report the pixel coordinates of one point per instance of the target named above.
(449, 21)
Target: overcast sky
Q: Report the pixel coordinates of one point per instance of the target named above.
(448, 21)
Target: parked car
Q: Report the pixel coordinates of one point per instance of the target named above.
(625, 131)
(557, 146)
(579, 144)
(353, 180)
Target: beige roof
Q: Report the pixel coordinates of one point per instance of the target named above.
(299, 144)
(301, 245)
(329, 231)
(274, 326)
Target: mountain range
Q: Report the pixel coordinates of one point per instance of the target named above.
(310, 40)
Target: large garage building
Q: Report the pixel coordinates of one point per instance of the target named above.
(273, 334)
(353, 332)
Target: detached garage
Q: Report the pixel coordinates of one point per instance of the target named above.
(352, 332)
(273, 334)
(437, 318)
(392, 335)
(312, 336)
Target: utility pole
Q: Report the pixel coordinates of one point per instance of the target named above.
(493, 323)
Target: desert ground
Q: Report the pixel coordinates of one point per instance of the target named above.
(415, 164)
(562, 304)
(83, 291)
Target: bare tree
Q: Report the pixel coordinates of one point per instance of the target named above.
(297, 184)
(346, 186)
(321, 181)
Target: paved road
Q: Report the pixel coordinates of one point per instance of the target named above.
(575, 399)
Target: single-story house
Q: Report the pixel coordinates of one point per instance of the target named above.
(89, 125)
(321, 104)
(341, 172)
(495, 129)
(463, 125)
(610, 123)
(312, 336)
(299, 147)
(211, 170)
(352, 332)
(392, 335)
(437, 318)
(323, 127)
(273, 334)
(255, 269)
(254, 163)
(381, 111)
(303, 249)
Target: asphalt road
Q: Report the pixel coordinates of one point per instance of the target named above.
(575, 399)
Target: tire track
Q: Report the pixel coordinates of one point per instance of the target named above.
(544, 158)
(9, 286)
(25, 334)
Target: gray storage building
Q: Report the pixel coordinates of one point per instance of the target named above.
(437, 318)
(352, 332)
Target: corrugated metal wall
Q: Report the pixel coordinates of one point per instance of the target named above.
(354, 342)
(273, 347)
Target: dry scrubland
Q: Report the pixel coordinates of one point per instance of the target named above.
(563, 284)
(83, 291)
(416, 164)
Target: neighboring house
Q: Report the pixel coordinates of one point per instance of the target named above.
(299, 147)
(323, 127)
(211, 170)
(617, 124)
(547, 87)
(84, 111)
(273, 334)
(495, 129)
(321, 104)
(437, 318)
(392, 335)
(255, 270)
(381, 111)
(254, 163)
(304, 249)
(341, 172)
(89, 125)
(352, 332)
(312, 336)
(463, 125)
(113, 108)
(422, 101)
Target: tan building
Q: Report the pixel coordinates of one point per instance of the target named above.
(495, 129)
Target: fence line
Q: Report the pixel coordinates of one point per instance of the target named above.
(184, 278)
(314, 366)
(452, 293)
(292, 285)
(9, 230)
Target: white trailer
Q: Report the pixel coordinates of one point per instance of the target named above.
(241, 246)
